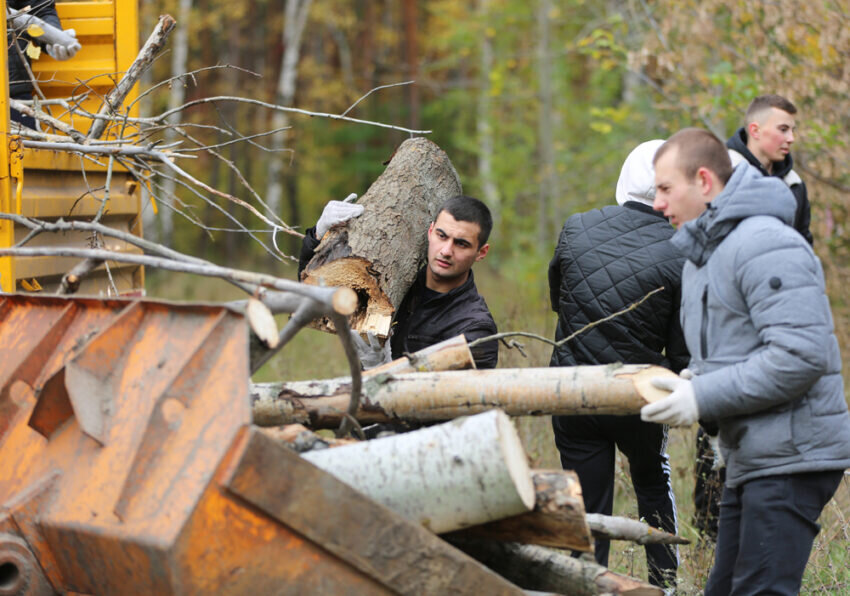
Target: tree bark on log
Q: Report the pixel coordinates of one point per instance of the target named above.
(622, 528)
(423, 397)
(454, 475)
(379, 253)
(558, 519)
(451, 354)
(538, 568)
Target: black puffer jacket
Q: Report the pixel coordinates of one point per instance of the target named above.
(781, 169)
(607, 259)
(426, 317)
(19, 79)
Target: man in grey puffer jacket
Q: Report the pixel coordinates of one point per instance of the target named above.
(765, 361)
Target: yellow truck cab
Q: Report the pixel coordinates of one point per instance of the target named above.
(50, 185)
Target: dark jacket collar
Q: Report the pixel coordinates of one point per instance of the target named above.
(638, 206)
(466, 286)
(738, 142)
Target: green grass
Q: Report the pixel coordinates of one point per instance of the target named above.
(518, 298)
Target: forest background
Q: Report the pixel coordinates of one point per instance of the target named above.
(537, 103)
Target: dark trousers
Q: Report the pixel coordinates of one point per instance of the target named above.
(588, 444)
(767, 527)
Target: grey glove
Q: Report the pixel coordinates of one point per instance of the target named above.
(60, 51)
(336, 212)
(371, 354)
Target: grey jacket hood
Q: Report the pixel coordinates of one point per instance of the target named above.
(746, 194)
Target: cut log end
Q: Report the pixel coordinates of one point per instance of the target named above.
(516, 460)
(643, 382)
(367, 304)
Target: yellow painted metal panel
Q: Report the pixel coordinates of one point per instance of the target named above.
(7, 229)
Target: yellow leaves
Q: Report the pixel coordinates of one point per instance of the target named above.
(601, 127)
(33, 51)
(32, 286)
(35, 31)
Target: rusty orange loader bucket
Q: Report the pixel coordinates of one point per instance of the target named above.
(129, 465)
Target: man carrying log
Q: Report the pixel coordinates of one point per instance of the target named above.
(605, 260)
(443, 301)
(765, 360)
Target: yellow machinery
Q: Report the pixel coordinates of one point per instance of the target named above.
(52, 184)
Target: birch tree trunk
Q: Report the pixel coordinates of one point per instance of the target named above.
(295, 19)
(545, 124)
(379, 253)
(446, 477)
(483, 124)
(603, 389)
(179, 57)
(538, 568)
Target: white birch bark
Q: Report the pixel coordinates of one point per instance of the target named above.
(446, 477)
(293, 29)
(490, 193)
(179, 59)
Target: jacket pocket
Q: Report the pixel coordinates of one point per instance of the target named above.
(762, 440)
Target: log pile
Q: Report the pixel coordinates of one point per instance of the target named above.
(468, 479)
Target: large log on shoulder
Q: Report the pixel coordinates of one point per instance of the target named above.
(379, 253)
(538, 568)
(431, 396)
(454, 475)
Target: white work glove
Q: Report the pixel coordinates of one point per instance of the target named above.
(677, 409)
(371, 354)
(718, 462)
(336, 212)
(60, 51)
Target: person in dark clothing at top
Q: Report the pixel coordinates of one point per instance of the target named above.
(443, 301)
(607, 259)
(764, 142)
(20, 83)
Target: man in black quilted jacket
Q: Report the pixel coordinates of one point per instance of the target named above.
(606, 260)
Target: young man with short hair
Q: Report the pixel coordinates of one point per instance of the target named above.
(764, 358)
(765, 143)
(443, 301)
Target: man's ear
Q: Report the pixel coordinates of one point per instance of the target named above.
(705, 180)
(482, 252)
(753, 130)
(430, 228)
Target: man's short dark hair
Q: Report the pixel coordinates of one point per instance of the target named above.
(764, 102)
(464, 208)
(698, 148)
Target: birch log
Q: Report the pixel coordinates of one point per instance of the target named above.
(610, 527)
(606, 389)
(379, 253)
(538, 568)
(558, 519)
(446, 477)
(451, 354)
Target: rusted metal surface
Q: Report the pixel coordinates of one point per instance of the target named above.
(129, 465)
(406, 557)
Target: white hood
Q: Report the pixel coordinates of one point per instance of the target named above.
(637, 178)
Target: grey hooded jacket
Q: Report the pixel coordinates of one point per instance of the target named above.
(759, 329)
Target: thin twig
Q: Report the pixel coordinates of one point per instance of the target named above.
(561, 342)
